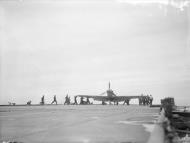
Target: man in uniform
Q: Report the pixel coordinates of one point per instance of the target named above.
(29, 102)
(87, 100)
(151, 99)
(42, 100)
(75, 99)
(66, 100)
(54, 100)
(81, 100)
(126, 102)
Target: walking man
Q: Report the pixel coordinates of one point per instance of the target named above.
(54, 100)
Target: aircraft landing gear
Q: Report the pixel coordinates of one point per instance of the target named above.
(103, 103)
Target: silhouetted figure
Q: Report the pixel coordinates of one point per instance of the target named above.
(29, 102)
(87, 101)
(75, 99)
(67, 100)
(144, 100)
(54, 100)
(42, 100)
(126, 102)
(12, 103)
(81, 100)
(151, 99)
(141, 99)
(147, 100)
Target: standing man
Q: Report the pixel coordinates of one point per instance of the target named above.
(151, 99)
(75, 103)
(66, 100)
(54, 100)
(126, 101)
(42, 100)
(81, 101)
(87, 100)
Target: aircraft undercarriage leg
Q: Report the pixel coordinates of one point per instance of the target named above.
(116, 102)
(103, 103)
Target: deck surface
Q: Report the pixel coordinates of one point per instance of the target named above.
(81, 124)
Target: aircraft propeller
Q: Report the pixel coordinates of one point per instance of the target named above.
(102, 93)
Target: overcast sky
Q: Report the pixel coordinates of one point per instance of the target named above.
(78, 46)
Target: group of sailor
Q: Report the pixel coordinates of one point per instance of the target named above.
(67, 101)
(82, 101)
(145, 100)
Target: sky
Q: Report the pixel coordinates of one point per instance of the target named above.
(77, 46)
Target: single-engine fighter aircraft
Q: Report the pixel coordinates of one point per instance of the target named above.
(111, 97)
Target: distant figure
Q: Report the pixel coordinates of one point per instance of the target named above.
(29, 102)
(126, 102)
(54, 100)
(144, 100)
(141, 99)
(81, 100)
(151, 99)
(75, 99)
(12, 103)
(42, 100)
(87, 101)
(67, 100)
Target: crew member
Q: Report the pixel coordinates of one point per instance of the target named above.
(29, 102)
(42, 100)
(151, 99)
(87, 100)
(81, 100)
(54, 100)
(75, 99)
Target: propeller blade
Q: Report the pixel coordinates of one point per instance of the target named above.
(102, 93)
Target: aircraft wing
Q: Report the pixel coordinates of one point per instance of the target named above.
(123, 98)
(95, 97)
